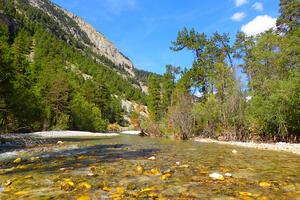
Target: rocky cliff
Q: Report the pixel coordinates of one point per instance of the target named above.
(86, 34)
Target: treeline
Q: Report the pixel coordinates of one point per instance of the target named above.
(48, 83)
(209, 100)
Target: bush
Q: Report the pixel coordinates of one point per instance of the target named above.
(86, 115)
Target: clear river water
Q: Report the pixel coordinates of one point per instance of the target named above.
(132, 167)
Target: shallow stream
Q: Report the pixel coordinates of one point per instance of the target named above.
(119, 168)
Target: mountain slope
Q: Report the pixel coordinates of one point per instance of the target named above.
(57, 72)
(85, 33)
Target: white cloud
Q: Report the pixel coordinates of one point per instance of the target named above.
(238, 16)
(258, 6)
(259, 24)
(239, 3)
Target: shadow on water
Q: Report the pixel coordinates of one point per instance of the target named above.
(82, 157)
(26, 142)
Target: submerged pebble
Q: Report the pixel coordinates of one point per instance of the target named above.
(265, 184)
(216, 176)
(17, 160)
(85, 197)
(139, 169)
(84, 186)
(234, 151)
(228, 174)
(67, 185)
(152, 158)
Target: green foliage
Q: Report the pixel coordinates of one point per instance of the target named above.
(268, 109)
(167, 87)
(154, 98)
(289, 20)
(48, 76)
(86, 115)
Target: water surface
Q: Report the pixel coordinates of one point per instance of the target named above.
(106, 168)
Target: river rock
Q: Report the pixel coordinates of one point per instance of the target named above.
(216, 176)
(60, 142)
(17, 160)
(155, 171)
(265, 184)
(85, 197)
(139, 169)
(68, 185)
(152, 158)
(84, 186)
(228, 174)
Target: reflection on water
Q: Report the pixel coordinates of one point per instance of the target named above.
(119, 168)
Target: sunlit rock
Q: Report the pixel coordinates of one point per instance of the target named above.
(166, 176)
(91, 174)
(22, 167)
(216, 176)
(68, 185)
(139, 169)
(228, 174)
(28, 177)
(234, 151)
(184, 166)
(60, 142)
(147, 189)
(265, 184)
(245, 194)
(106, 188)
(8, 183)
(155, 171)
(17, 160)
(119, 193)
(85, 197)
(84, 186)
(32, 159)
(152, 158)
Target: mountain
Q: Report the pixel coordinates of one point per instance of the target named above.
(74, 26)
(88, 36)
(58, 72)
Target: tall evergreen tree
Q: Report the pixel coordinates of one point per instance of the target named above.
(289, 18)
(154, 97)
(167, 87)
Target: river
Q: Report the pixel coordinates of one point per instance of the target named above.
(119, 168)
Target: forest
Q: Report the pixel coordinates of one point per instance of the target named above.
(51, 82)
(209, 99)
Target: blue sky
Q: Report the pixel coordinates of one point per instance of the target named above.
(143, 29)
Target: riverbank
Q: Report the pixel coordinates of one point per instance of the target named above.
(22, 140)
(63, 134)
(279, 146)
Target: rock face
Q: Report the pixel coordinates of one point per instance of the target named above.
(103, 46)
(86, 34)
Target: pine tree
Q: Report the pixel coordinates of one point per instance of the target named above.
(289, 19)
(154, 97)
(168, 84)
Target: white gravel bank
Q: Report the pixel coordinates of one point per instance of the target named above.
(131, 132)
(280, 146)
(59, 134)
